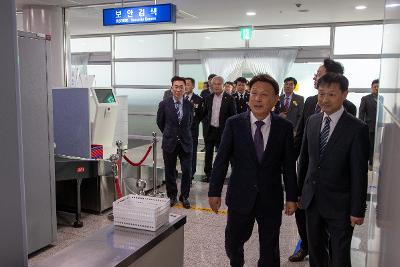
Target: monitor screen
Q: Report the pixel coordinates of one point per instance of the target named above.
(105, 95)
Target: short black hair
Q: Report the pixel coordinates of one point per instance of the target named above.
(375, 81)
(290, 79)
(333, 66)
(190, 79)
(177, 78)
(212, 75)
(241, 79)
(331, 77)
(265, 78)
(230, 83)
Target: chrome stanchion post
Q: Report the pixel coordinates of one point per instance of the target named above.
(155, 193)
(120, 153)
(114, 160)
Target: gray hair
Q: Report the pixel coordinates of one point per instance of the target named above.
(218, 78)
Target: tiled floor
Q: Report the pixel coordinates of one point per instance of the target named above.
(204, 235)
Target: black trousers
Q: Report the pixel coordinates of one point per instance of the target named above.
(211, 141)
(239, 228)
(194, 156)
(329, 239)
(170, 174)
(371, 147)
(302, 227)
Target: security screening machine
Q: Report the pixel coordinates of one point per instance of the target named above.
(103, 118)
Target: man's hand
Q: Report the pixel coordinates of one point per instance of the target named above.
(356, 220)
(215, 203)
(283, 114)
(290, 207)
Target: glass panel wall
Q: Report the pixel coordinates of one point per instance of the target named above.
(102, 75)
(363, 39)
(143, 73)
(144, 46)
(291, 37)
(360, 72)
(195, 71)
(92, 44)
(209, 40)
(304, 74)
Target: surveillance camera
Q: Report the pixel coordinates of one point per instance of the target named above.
(298, 4)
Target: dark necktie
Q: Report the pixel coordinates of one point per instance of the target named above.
(258, 140)
(178, 110)
(323, 138)
(286, 106)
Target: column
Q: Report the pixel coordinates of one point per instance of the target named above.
(13, 244)
(49, 20)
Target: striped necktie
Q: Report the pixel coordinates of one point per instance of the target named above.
(323, 138)
(178, 110)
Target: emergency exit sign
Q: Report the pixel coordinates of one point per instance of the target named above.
(246, 33)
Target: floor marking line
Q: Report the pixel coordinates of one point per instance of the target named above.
(222, 212)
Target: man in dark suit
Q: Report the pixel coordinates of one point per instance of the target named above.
(218, 107)
(197, 108)
(311, 106)
(368, 115)
(333, 175)
(241, 96)
(291, 104)
(208, 91)
(259, 154)
(174, 118)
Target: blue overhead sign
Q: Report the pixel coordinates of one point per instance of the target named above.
(139, 15)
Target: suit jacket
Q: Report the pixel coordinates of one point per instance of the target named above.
(367, 112)
(197, 108)
(338, 180)
(250, 178)
(205, 93)
(295, 108)
(167, 93)
(172, 130)
(309, 109)
(241, 104)
(228, 109)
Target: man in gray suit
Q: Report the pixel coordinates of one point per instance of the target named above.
(291, 104)
(368, 114)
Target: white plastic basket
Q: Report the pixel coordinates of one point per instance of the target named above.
(141, 212)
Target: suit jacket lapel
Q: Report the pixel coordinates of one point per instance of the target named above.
(316, 134)
(273, 135)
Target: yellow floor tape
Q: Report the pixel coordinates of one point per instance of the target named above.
(223, 212)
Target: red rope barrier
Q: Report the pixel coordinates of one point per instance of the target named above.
(117, 184)
(142, 160)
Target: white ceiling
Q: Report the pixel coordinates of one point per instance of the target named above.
(221, 13)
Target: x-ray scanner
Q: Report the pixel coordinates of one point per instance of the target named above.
(103, 116)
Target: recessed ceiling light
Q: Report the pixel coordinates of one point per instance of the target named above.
(392, 5)
(207, 37)
(250, 13)
(361, 7)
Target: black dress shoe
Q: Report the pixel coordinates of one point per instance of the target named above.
(172, 201)
(299, 255)
(185, 203)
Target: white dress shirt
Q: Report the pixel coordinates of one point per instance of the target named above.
(334, 120)
(216, 107)
(265, 129)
